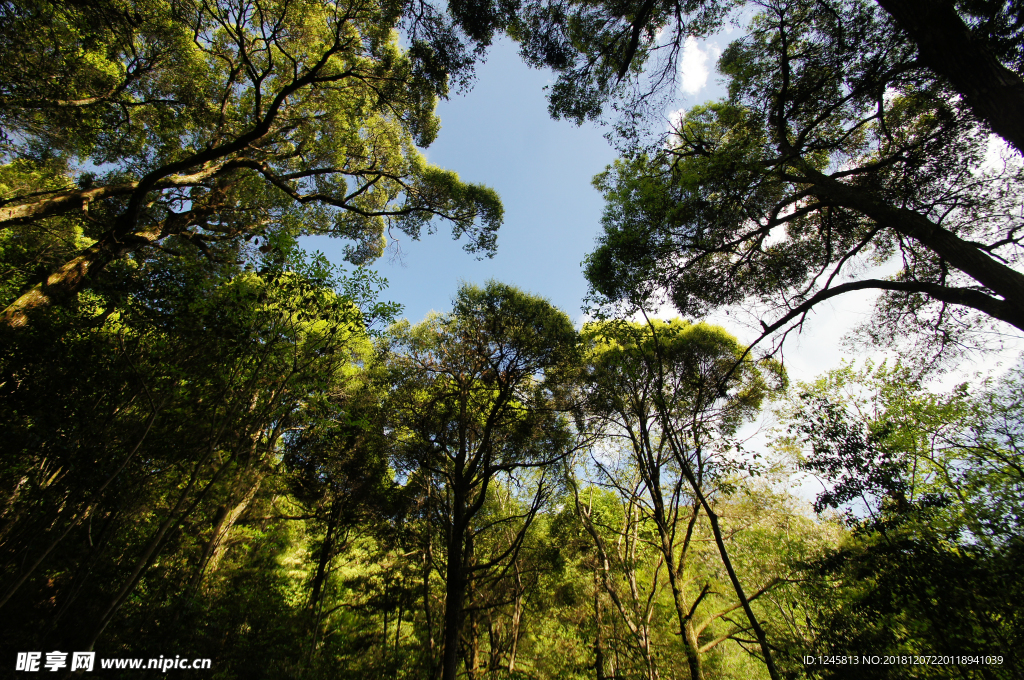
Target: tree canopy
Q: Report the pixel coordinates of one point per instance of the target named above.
(835, 152)
(224, 455)
(196, 127)
(626, 52)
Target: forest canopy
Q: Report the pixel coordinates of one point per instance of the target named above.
(836, 152)
(220, 446)
(198, 127)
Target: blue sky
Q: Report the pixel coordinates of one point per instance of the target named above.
(500, 134)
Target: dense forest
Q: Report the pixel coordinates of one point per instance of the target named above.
(218, 445)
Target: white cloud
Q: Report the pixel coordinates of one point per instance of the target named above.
(693, 67)
(675, 119)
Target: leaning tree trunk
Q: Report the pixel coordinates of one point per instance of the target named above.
(946, 45)
(691, 647)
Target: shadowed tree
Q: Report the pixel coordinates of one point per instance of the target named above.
(930, 486)
(477, 399)
(834, 152)
(128, 462)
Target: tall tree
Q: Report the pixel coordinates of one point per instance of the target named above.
(645, 385)
(476, 401)
(671, 394)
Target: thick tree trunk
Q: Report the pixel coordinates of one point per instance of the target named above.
(455, 580)
(124, 237)
(946, 46)
(71, 201)
(223, 523)
(70, 278)
(692, 646)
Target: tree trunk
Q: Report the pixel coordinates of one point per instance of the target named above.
(455, 580)
(762, 639)
(639, 628)
(324, 557)
(946, 46)
(695, 485)
(690, 644)
(66, 281)
(664, 521)
(125, 237)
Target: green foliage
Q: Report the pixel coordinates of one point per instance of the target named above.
(834, 152)
(217, 444)
(156, 125)
(140, 438)
(691, 368)
(932, 493)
